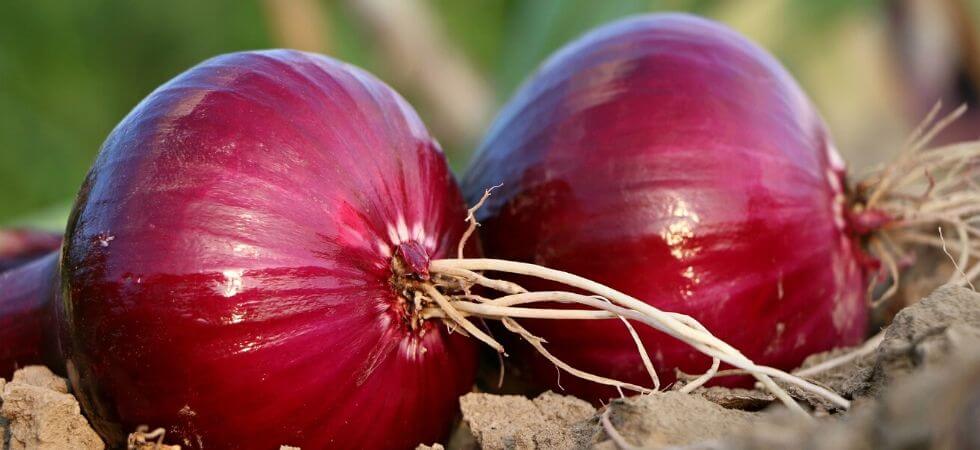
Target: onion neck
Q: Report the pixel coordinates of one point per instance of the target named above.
(863, 222)
(409, 272)
(925, 200)
(28, 325)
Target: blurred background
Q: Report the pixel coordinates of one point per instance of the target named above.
(69, 71)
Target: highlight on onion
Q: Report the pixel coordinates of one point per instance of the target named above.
(670, 158)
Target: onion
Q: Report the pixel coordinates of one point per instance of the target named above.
(236, 263)
(20, 245)
(670, 158)
(27, 318)
(27, 268)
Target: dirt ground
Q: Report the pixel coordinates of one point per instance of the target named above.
(919, 388)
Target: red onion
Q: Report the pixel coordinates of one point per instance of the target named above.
(236, 261)
(670, 158)
(27, 320)
(27, 268)
(20, 245)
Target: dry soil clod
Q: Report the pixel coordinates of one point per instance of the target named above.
(40, 414)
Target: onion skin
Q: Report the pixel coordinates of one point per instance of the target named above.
(227, 267)
(669, 157)
(27, 316)
(28, 270)
(21, 245)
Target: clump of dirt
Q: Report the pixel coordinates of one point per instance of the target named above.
(39, 413)
(513, 421)
(920, 336)
(40, 376)
(662, 420)
(555, 421)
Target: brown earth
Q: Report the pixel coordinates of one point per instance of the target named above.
(37, 412)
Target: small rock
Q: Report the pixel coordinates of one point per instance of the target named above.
(45, 419)
(41, 376)
(516, 422)
(663, 419)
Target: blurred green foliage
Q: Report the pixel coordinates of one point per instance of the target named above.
(69, 71)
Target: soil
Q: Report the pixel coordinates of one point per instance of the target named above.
(513, 421)
(920, 388)
(38, 413)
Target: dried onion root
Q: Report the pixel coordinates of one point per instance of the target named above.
(924, 192)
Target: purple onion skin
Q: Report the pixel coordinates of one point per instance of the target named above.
(27, 316)
(671, 158)
(19, 246)
(227, 266)
(28, 283)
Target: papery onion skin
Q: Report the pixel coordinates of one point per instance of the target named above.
(671, 158)
(227, 267)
